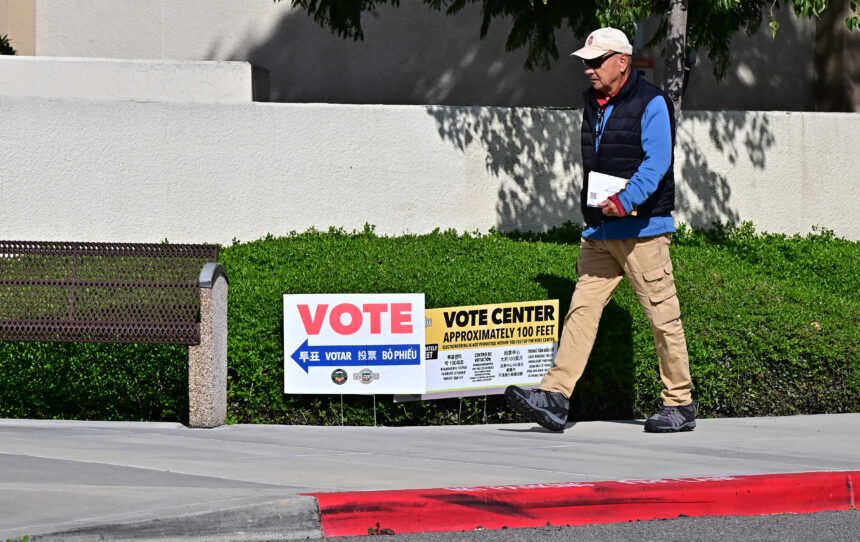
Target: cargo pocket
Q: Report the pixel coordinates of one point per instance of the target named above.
(660, 289)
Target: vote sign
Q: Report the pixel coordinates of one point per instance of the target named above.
(354, 343)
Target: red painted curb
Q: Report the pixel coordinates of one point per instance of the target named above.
(579, 503)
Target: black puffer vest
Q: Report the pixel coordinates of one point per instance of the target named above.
(620, 152)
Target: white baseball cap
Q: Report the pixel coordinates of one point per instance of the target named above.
(602, 41)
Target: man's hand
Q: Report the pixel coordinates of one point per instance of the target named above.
(608, 208)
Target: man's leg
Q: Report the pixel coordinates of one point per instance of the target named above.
(599, 276)
(649, 269)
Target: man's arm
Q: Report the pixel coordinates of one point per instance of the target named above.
(657, 145)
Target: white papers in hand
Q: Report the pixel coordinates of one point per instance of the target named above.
(601, 186)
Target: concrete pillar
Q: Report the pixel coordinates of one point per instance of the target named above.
(207, 361)
(18, 20)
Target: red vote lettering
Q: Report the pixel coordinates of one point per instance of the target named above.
(337, 324)
(375, 311)
(312, 324)
(401, 317)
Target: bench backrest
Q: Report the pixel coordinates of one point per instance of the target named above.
(101, 292)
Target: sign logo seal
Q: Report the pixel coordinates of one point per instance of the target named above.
(339, 377)
(365, 376)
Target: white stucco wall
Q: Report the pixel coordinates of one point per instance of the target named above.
(784, 171)
(410, 54)
(160, 80)
(99, 170)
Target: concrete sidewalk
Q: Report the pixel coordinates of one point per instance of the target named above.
(117, 480)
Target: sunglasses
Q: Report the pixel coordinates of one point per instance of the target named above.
(596, 63)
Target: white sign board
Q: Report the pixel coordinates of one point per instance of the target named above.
(360, 344)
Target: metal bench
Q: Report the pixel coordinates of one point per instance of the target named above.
(124, 293)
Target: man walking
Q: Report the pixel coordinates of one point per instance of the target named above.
(628, 132)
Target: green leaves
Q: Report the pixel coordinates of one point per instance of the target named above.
(770, 320)
(809, 8)
(623, 14)
(5, 47)
(534, 24)
(773, 24)
(94, 381)
(852, 22)
(343, 17)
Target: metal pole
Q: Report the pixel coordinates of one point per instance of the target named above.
(485, 409)
(460, 412)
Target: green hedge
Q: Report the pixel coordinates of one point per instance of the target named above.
(771, 323)
(93, 381)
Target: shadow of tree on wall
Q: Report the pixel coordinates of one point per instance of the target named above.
(735, 136)
(535, 156)
(534, 153)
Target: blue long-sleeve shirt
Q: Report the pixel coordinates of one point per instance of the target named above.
(657, 145)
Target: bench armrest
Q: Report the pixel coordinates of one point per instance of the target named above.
(210, 273)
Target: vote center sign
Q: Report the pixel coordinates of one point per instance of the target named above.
(482, 349)
(354, 343)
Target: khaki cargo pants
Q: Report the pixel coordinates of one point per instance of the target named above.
(646, 263)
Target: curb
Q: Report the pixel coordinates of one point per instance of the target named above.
(580, 503)
(290, 518)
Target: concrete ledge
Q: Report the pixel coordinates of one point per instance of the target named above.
(142, 80)
(88, 424)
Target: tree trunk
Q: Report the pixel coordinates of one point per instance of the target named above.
(676, 45)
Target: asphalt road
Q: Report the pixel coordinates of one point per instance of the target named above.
(821, 527)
